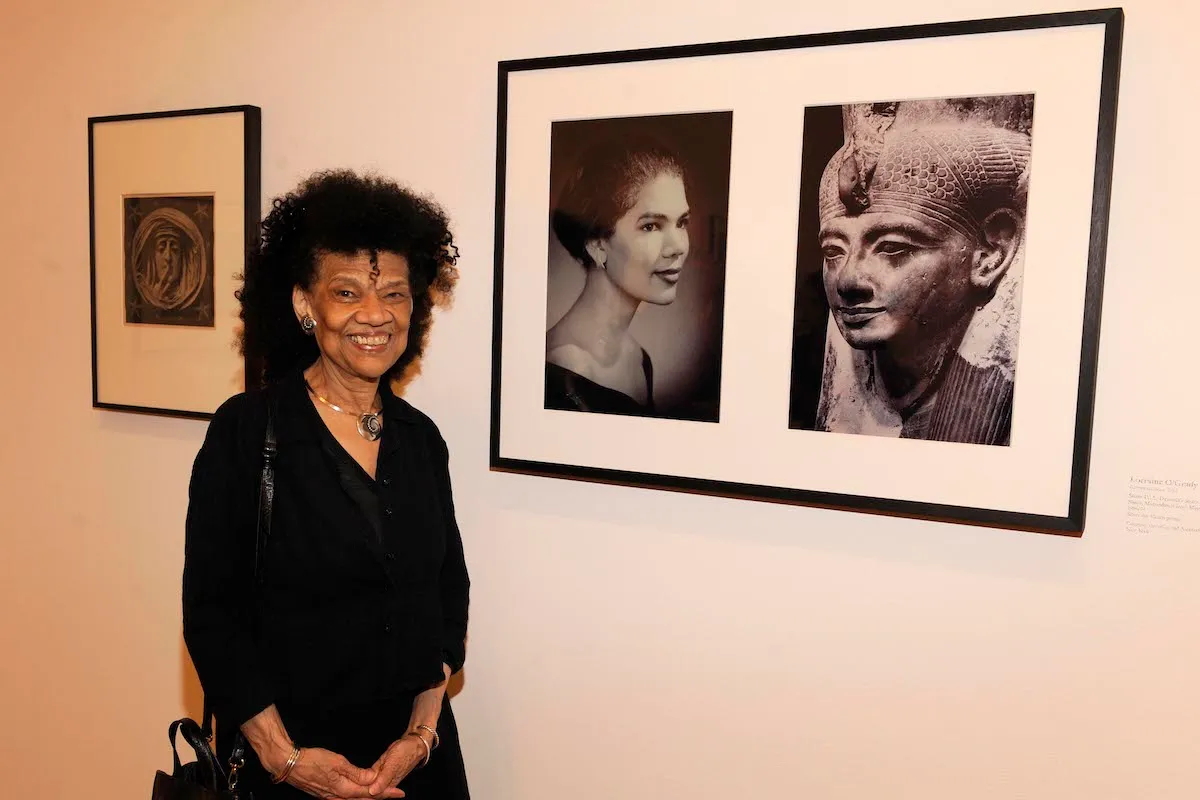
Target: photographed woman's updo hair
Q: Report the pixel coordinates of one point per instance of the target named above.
(339, 211)
(604, 186)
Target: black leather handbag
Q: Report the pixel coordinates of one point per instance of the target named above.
(204, 778)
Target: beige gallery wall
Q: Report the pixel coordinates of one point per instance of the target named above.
(624, 643)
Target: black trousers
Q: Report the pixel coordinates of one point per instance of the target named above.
(362, 735)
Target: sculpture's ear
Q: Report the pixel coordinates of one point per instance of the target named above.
(999, 238)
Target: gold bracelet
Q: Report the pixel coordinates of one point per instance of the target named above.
(437, 740)
(428, 749)
(287, 768)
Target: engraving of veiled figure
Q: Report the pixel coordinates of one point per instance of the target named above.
(170, 264)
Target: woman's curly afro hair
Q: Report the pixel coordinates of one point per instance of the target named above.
(339, 211)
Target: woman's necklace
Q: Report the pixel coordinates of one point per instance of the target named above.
(370, 425)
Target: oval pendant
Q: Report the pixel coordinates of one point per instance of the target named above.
(370, 426)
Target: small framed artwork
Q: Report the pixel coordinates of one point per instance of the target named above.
(859, 270)
(174, 212)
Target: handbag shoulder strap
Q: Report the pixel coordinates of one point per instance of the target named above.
(266, 504)
(266, 497)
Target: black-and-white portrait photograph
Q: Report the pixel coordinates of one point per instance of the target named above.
(909, 268)
(636, 283)
(169, 260)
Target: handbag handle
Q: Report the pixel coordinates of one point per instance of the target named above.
(266, 504)
(194, 736)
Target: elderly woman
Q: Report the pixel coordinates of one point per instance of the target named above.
(623, 216)
(333, 664)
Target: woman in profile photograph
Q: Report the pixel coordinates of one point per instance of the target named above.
(624, 217)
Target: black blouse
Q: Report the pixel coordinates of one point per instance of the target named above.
(569, 391)
(366, 589)
(356, 481)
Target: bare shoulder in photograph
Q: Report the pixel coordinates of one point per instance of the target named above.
(915, 237)
(634, 306)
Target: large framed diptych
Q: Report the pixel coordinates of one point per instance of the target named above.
(174, 211)
(860, 270)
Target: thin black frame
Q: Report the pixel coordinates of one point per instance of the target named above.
(1070, 525)
(251, 197)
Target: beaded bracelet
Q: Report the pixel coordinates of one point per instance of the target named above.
(436, 739)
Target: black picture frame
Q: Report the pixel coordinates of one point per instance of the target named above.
(1071, 521)
(233, 152)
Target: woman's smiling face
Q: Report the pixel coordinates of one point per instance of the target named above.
(362, 304)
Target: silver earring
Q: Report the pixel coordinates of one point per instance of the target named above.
(308, 324)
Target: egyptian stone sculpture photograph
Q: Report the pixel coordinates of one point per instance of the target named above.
(909, 268)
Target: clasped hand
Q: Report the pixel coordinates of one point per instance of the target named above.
(329, 776)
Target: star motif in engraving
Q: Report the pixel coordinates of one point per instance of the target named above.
(201, 210)
(204, 310)
(136, 213)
